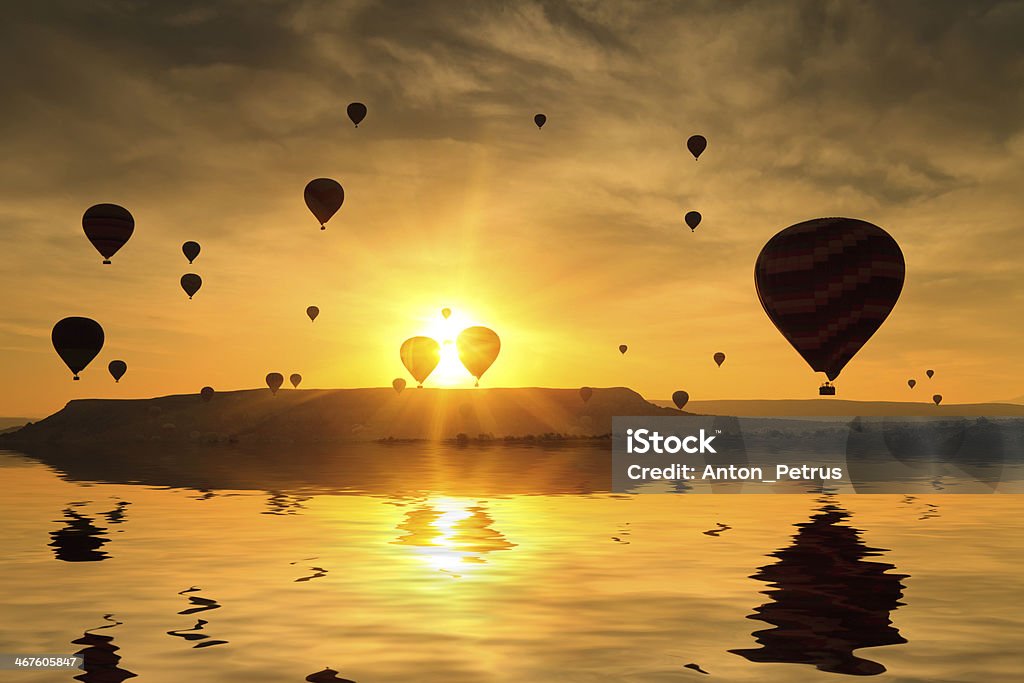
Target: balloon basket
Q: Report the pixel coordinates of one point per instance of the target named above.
(106, 262)
(76, 378)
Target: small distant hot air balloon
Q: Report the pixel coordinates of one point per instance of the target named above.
(191, 283)
(398, 384)
(478, 347)
(356, 113)
(420, 355)
(295, 379)
(445, 312)
(274, 381)
(206, 393)
(623, 348)
(719, 358)
(191, 250)
(108, 227)
(930, 373)
(586, 393)
(312, 312)
(117, 368)
(324, 197)
(937, 398)
(680, 398)
(692, 219)
(540, 120)
(911, 383)
(77, 341)
(697, 144)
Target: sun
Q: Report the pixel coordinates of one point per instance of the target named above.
(449, 371)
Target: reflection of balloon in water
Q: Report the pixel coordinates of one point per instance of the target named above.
(692, 219)
(77, 341)
(937, 398)
(356, 113)
(697, 144)
(420, 355)
(191, 250)
(206, 393)
(680, 398)
(719, 358)
(398, 384)
(586, 393)
(312, 312)
(911, 383)
(324, 197)
(274, 381)
(108, 227)
(623, 348)
(445, 312)
(117, 368)
(540, 120)
(478, 347)
(930, 373)
(828, 284)
(191, 283)
(295, 379)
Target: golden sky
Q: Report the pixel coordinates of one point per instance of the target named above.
(206, 120)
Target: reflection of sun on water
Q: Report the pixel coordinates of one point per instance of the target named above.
(451, 535)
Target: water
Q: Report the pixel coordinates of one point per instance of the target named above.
(409, 563)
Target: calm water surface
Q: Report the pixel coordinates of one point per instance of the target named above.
(502, 564)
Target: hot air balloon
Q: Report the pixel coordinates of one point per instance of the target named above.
(398, 384)
(312, 312)
(108, 227)
(680, 398)
(274, 381)
(692, 219)
(478, 347)
(356, 113)
(623, 348)
(930, 373)
(697, 144)
(206, 393)
(77, 341)
(324, 197)
(828, 284)
(719, 358)
(191, 250)
(191, 283)
(295, 379)
(586, 393)
(117, 368)
(937, 398)
(420, 355)
(911, 383)
(540, 120)
(445, 312)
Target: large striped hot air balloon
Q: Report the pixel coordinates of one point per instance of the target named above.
(828, 284)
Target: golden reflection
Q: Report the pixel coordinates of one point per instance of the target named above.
(451, 535)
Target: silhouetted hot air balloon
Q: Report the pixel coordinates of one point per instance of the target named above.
(206, 393)
(295, 379)
(77, 341)
(324, 197)
(697, 144)
(191, 283)
(478, 347)
(445, 312)
(356, 113)
(719, 358)
(540, 120)
(191, 250)
(312, 312)
(274, 381)
(586, 393)
(930, 373)
(117, 368)
(692, 219)
(937, 398)
(398, 384)
(108, 227)
(911, 383)
(623, 348)
(828, 284)
(420, 355)
(680, 398)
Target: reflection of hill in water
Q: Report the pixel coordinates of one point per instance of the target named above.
(826, 600)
